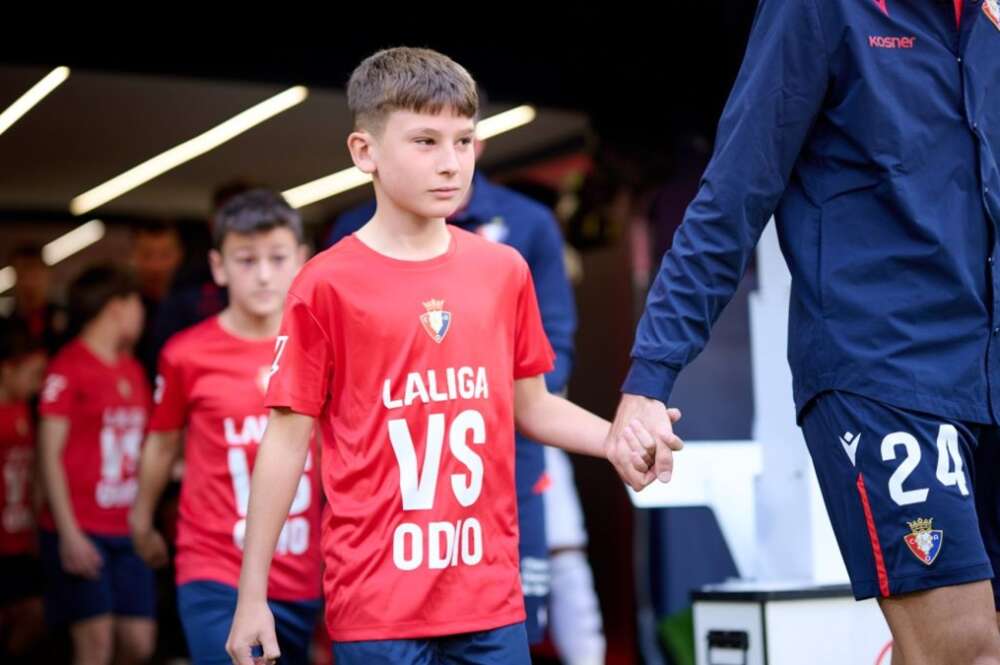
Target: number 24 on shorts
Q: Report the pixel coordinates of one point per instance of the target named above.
(950, 468)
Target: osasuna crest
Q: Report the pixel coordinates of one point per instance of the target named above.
(923, 541)
(436, 321)
(124, 388)
(992, 10)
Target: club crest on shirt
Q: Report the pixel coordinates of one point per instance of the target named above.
(435, 320)
(923, 541)
(992, 10)
(21, 427)
(124, 388)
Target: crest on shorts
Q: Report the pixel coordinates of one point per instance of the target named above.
(923, 541)
(992, 10)
(435, 320)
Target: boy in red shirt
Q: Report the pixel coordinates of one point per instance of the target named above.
(415, 347)
(94, 407)
(210, 404)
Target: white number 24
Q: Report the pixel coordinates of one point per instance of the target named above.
(950, 468)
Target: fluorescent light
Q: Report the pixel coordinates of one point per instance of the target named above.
(187, 151)
(331, 185)
(34, 95)
(342, 181)
(8, 278)
(504, 122)
(66, 245)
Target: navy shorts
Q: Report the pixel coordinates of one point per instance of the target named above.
(207, 608)
(125, 587)
(912, 497)
(501, 646)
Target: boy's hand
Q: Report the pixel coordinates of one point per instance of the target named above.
(253, 624)
(79, 556)
(641, 442)
(150, 546)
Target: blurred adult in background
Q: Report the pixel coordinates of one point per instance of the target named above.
(156, 254)
(32, 305)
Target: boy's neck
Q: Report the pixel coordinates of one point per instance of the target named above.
(250, 326)
(102, 340)
(402, 235)
(5, 395)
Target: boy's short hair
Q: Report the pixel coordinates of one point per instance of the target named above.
(94, 288)
(408, 79)
(255, 211)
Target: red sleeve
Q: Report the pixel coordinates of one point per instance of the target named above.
(58, 392)
(169, 396)
(300, 374)
(533, 354)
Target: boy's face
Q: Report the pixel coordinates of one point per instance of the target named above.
(258, 268)
(424, 162)
(131, 316)
(22, 376)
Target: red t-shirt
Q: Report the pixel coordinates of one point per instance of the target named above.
(409, 367)
(212, 383)
(17, 458)
(107, 407)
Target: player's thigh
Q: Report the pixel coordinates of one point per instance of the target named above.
(951, 625)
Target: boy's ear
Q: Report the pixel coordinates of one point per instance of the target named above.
(361, 145)
(218, 272)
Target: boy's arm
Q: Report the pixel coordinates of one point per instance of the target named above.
(78, 554)
(280, 461)
(557, 422)
(158, 456)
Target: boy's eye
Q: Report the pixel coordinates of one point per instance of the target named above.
(425, 141)
(466, 141)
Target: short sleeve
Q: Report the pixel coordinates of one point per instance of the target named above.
(58, 391)
(533, 354)
(170, 399)
(300, 374)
